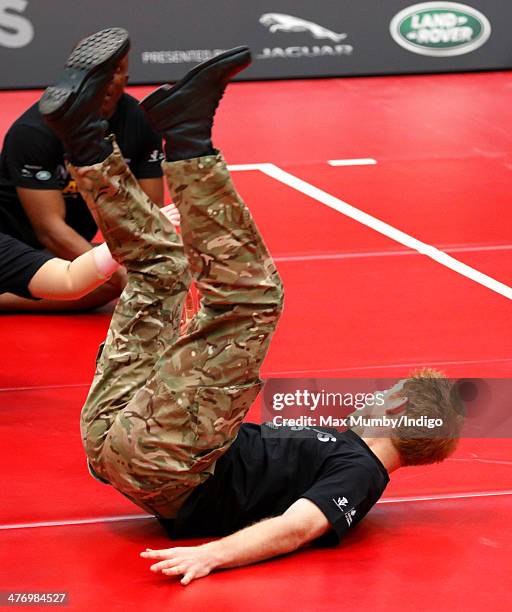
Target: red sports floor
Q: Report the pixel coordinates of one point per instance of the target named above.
(400, 262)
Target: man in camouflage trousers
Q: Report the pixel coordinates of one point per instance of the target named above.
(163, 420)
(163, 407)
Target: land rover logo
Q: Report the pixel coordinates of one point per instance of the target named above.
(440, 29)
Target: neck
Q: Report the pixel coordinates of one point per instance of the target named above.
(385, 451)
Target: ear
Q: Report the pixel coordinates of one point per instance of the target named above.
(395, 404)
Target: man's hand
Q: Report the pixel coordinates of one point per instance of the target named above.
(172, 213)
(191, 562)
(300, 524)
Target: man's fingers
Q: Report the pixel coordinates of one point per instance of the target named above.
(156, 554)
(188, 577)
(173, 571)
(172, 213)
(186, 562)
(161, 565)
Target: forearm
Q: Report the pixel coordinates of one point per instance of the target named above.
(263, 540)
(46, 211)
(63, 241)
(63, 280)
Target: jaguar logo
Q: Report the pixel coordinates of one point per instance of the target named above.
(279, 22)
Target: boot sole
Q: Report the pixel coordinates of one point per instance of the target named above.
(163, 92)
(94, 53)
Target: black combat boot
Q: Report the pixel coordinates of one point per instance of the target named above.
(184, 113)
(71, 108)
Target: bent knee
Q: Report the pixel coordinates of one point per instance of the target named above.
(273, 296)
(279, 290)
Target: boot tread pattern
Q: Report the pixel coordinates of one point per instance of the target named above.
(97, 48)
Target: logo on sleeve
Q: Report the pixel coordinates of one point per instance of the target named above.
(341, 502)
(324, 436)
(156, 156)
(349, 516)
(43, 175)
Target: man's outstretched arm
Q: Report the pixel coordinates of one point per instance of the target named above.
(301, 523)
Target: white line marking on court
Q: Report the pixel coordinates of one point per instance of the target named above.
(308, 372)
(387, 230)
(368, 161)
(379, 226)
(101, 519)
(138, 517)
(478, 460)
(387, 366)
(244, 167)
(398, 500)
(397, 253)
(48, 387)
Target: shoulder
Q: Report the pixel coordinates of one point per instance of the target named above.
(30, 129)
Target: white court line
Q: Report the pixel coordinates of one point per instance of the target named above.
(387, 230)
(379, 226)
(379, 366)
(242, 167)
(387, 366)
(46, 387)
(138, 517)
(479, 460)
(94, 521)
(400, 253)
(399, 500)
(368, 161)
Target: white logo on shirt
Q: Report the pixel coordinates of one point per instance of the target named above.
(350, 516)
(43, 175)
(156, 156)
(341, 502)
(323, 436)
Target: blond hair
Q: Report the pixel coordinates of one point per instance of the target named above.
(429, 394)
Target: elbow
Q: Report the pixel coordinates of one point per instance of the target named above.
(297, 537)
(306, 532)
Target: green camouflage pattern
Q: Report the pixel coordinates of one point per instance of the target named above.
(164, 406)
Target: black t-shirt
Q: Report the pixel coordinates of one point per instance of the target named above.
(33, 158)
(18, 264)
(266, 470)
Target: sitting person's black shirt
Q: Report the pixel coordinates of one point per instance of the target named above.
(18, 264)
(33, 158)
(266, 470)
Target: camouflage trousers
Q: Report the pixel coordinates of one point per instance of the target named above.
(163, 407)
